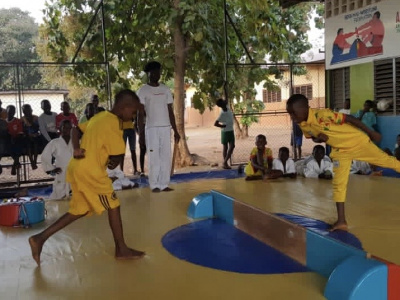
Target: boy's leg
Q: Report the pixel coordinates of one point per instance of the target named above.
(36, 241)
(122, 251)
(376, 156)
(341, 169)
(230, 146)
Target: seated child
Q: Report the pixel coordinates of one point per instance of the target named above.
(360, 168)
(15, 138)
(31, 130)
(119, 181)
(260, 160)
(283, 166)
(318, 165)
(61, 149)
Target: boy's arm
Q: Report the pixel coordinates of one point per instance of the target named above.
(173, 123)
(76, 135)
(43, 130)
(218, 124)
(373, 135)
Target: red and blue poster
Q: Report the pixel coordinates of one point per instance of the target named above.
(363, 35)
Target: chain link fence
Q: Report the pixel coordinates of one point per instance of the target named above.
(272, 120)
(30, 83)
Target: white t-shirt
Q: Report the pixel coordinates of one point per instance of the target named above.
(226, 118)
(345, 111)
(278, 165)
(155, 100)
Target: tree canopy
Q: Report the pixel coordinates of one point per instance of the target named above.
(18, 33)
(186, 36)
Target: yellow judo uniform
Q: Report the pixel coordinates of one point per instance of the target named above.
(348, 143)
(92, 190)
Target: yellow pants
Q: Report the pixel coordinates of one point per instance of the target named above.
(249, 171)
(89, 202)
(342, 160)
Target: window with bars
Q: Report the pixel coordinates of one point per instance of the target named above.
(306, 90)
(340, 88)
(272, 96)
(387, 85)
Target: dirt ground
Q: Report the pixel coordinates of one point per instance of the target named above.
(204, 143)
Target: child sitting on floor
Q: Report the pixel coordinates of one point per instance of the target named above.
(119, 181)
(61, 149)
(260, 160)
(318, 165)
(283, 166)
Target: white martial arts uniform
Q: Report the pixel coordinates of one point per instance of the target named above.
(278, 165)
(62, 153)
(122, 181)
(311, 168)
(158, 133)
(362, 167)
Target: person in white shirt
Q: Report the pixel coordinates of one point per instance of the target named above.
(157, 100)
(360, 167)
(47, 122)
(346, 109)
(61, 149)
(119, 181)
(318, 165)
(225, 122)
(283, 166)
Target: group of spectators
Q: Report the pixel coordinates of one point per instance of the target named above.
(31, 133)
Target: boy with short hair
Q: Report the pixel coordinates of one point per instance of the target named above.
(31, 130)
(101, 146)
(66, 114)
(225, 122)
(47, 122)
(318, 165)
(283, 166)
(260, 160)
(16, 138)
(61, 149)
(348, 142)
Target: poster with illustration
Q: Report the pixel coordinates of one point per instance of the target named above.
(363, 35)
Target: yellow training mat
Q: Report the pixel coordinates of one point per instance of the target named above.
(78, 262)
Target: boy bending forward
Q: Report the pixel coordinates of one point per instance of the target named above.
(101, 146)
(342, 132)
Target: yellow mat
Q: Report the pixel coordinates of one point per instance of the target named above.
(78, 262)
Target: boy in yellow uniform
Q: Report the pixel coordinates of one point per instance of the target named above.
(342, 132)
(101, 146)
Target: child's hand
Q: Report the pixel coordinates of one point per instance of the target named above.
(79, 153)
(375, 136)
(114, 161)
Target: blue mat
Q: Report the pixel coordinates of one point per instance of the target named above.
(187, 177)
(215, 244)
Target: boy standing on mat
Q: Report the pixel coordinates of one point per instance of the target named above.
(342, 132)
(101, 146)
(225, 122)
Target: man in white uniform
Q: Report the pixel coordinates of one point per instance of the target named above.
(61, 149)
(157, 100)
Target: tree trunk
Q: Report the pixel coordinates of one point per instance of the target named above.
(183, 157)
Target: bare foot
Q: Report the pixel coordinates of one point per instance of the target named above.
(36, 247)
(339, 226)
(156, 190)
(167, 189)
(128, 253)
(226, 167)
